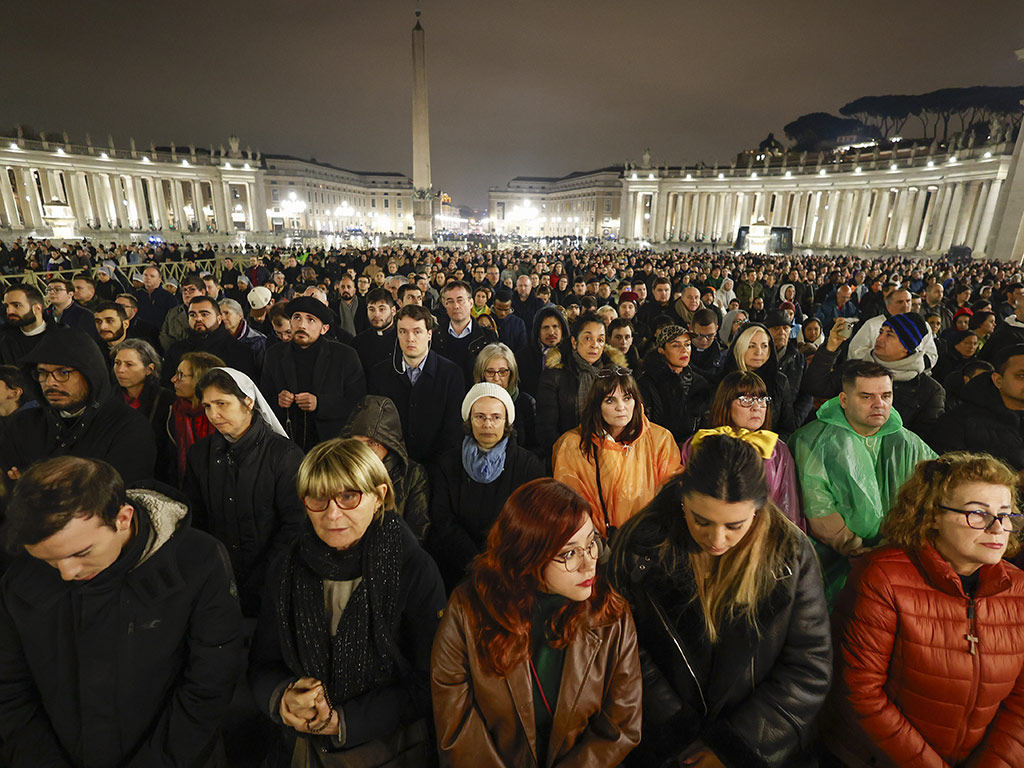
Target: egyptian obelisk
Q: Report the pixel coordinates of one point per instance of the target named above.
(422, 204)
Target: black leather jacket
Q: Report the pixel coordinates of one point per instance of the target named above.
(752, 698)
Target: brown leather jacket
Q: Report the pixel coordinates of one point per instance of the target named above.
(486, 721)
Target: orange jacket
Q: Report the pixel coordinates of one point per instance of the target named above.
(908, 691)
(630, 474)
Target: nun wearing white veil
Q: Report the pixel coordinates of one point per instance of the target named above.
(240, 480)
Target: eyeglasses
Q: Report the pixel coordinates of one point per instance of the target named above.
(747, 401)
(607, 373)
(703, 336)
(60, 375)
(572, 559)
(483, 418)
(345, 500)
(981, 520)
(496, 372)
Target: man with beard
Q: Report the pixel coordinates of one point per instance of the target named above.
(25, 326)
(149, 648)
(311, 382)
(377, 342)
(351, 316)
(208, 334)
(80, 415)
(111, 326)
(137, 327)
(175, 327)
(550, 331)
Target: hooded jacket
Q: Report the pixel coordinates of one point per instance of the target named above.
(856, 477)
(107, 429)
(676, 401)
(908, 688)
(983, 424)
(132, 669)
(558, 396)
(779, 389)
(530, 357)
(631, 473)
(376, 417)
(243, 493)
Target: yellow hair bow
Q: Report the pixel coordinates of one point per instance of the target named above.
(763, 440)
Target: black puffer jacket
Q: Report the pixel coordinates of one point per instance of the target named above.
(108, 429)
(752, 699)
(376, 417)
(244, 494)
(676, 401)
(462, 510)
(135, 668)
(982, 424)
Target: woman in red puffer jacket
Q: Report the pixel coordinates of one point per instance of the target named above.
(929, 632)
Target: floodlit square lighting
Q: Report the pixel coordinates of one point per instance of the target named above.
(858, 169)
(633, 177)
(246, 166)
(145, 159)
(60, 151)
(721, 175)
(931, 164)
(987, 154)
(650, 176)
(104, 156)
(12, 145)
(952, 160)
(821, 172)
(184, 163)
(789, 174)
(893, 167)
(753, 175)
(689, 177)
(227, 166)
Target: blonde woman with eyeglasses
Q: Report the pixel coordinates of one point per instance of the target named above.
(929, 630)
(340, 656)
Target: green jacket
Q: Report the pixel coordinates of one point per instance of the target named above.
(858, 477)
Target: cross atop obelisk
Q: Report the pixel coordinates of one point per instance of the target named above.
(422, 204)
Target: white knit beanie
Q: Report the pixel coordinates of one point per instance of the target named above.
(487, 389)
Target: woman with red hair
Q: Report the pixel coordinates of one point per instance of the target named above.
(535, 661)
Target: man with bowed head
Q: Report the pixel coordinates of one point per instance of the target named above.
(312, 383)
(208, 334)
(851, 461)
(120, 631)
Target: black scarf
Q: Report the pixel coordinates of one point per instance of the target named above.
(362, 655)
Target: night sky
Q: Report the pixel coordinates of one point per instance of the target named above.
(523, 87)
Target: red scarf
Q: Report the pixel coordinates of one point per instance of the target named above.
(190, 424)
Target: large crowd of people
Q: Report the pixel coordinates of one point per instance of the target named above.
(528, 507)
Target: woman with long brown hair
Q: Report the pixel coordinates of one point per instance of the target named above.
(616, 458)
(731, 612)
(535, 661)
(742, 408)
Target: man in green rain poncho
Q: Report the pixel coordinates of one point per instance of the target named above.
(851, 462)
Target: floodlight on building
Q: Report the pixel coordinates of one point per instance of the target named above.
(753, 175)
(647, 215)
(60, 151)
(858, 169)
(145, 159)
(987, 154)
(894, 167)
(650, 176)
(227, 166)
(246, 167)
(633, 177)
(821, 172)
(931, 164)
(721, 175)
(13, 146)
(952, 160)
(184, 163)
(789, 174)
(104, 156)
(689, 177)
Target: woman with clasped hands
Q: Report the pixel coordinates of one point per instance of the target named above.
(930, 629)
(535, 662)
(341, 652)
(731, 618)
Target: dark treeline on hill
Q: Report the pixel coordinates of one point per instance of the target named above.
(938, 115)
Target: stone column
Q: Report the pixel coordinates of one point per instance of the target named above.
(10, 207)
(625, 211)
(878, 212)
(799, 217)
(987, 216)
(858, 225)
(898, 217)
(911, 229)
(29, 195)
(659, 217)
(937, 218)
(140, 201)
(952, 218)
(160, 220)
(831, 206)
(978, 211)
(178, 203)
(968, 211)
